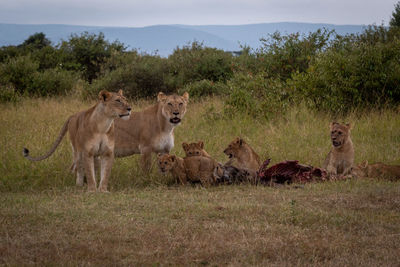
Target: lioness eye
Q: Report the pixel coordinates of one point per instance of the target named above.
(165, 162)
(170, 104)
(180, 104)
(118, 100)
(339, 132)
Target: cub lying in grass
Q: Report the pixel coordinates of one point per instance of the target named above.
(377, 170)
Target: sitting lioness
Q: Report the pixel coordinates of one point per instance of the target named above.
(341, 157)
(173, 164)
(91, 134)
(195, 149)
(377, 170)
(151, 130)
(242, 155)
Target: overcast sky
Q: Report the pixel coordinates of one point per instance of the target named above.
(138, 13)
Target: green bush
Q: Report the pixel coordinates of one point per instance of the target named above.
(205, 88)
(257, 96)
(195, 63)
(283, 55)
(143, 76)
(53, 82)
(87, 53)
(18, 72)
(8, 94)
(362, 73)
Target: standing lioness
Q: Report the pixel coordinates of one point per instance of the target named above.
(92, 137)
(341, 157)
(151, 130)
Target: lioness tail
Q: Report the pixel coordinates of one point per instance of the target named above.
(53, 148)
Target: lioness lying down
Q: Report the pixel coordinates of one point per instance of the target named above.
(91, 134)
(151, 130)
(377, 170)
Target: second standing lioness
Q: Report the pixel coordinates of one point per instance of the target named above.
(151, 130)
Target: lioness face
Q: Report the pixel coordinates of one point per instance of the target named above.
(173, 106)
(339, 134)
(193, 149)
(166, 162)
(234, 147)
(115, 104)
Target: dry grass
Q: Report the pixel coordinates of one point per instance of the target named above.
(354, 223)
(46, 220)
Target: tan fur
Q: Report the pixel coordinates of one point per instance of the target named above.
(91, 134)
(199, 168)
(173, 164)
(377, 170)
(151, 130)
(341, 157)
(242, 155)
(195, 149)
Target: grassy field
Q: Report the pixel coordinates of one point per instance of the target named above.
(147, 220)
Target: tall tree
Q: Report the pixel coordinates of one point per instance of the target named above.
(395, 20)
(37, 40)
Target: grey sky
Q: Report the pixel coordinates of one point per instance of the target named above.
(194, 12)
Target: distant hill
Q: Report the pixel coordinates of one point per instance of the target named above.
(163, 39)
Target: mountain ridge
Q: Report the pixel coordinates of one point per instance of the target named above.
(163, 39)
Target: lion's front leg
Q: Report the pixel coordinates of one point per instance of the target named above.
(105, 170)
(88, 162)
(145, 160)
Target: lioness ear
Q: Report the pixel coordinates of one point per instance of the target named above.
(364, 164)
(173, 157)
(159, 155)
(104, 95)
(161, 96)
(201, 144)
(184, 146)
(349, 126)
(186, 96)
(120, 92)
(241, 141)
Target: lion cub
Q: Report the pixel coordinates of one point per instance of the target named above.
(91, 134)
(377, 170)
(242, 155)
(193, 169)
(173, 164)
(341, 157)
(195, 149)
(199, 168)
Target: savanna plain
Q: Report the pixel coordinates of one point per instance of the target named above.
(150, 220)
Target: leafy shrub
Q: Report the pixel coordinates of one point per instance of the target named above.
(205, 88)
(18, 73)
(143, 76)
(86, 53)
(195, 63)
(283, 55)
(8, 94)
(360, 73)
(257, 96)
(53, 82)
